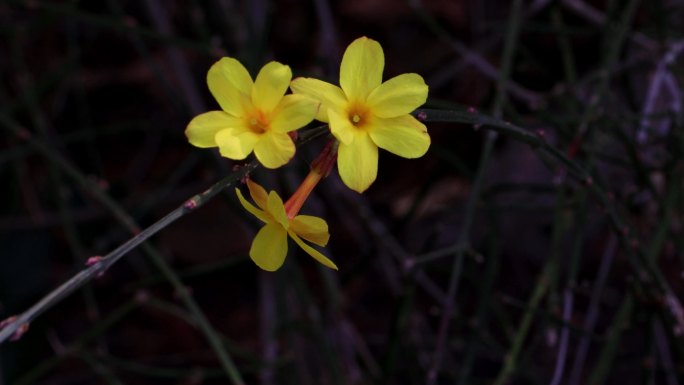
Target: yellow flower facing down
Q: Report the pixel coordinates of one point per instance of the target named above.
(256, 115)
(365, 113)
(269, 247)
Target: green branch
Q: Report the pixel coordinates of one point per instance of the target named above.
(14, 326)
(655, 279)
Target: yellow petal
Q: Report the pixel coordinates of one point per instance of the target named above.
(277, 209)
(313, 229)
(269, 247)
(313, 252)
(341, 127)
(294, 112)
(398, 96)
(249, 207)
(361, 69)
(234, 144)
(202, 129)
(404, 136)
(231, 85)
(274, 149)
(258, 193)
(270, 86)
(357, 163)
(330, 96)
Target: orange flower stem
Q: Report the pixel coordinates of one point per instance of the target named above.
(320, 168)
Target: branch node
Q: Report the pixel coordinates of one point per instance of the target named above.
(190, 205)
(141, 296)
(93, 260)
(21, 330)
(24, 134)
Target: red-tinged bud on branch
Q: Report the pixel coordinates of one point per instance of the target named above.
(93, 260)
(190, 204)
(19, 332)
(7, 321)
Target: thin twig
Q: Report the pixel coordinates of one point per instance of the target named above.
(661, 79)
(159, 16)
(608, 354)
(510, 45)
(513, 355)
(327, 42)
(267, 326)
(651, 276)
(598, 18)
(106, 22)
(663, 349)
(474, 58)
(565, 336)
(114, 317)
(100, 264)
(593, 311)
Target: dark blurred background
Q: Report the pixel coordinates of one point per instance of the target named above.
(455, 268)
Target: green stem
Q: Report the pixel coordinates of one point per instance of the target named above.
(101, 264)
(113, 318)
(202, 321)
(114, 256)
(464, 238)
(609, 352)
(512, 357)
(104, 22)
(537, 141)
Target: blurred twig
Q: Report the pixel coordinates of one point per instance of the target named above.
(662, 81)
(621, 228)
(592, 313)
(114, 317)
(130, 25)
(531, 98)
(512, 357)
(464, 238)
(598, 18)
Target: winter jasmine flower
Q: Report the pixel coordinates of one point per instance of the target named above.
(255, 115)
(365, 114)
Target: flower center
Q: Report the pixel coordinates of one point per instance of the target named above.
(358, 115)
(258, 123)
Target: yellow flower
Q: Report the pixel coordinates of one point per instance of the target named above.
(256, 115)
(269, 247)
(366, 113)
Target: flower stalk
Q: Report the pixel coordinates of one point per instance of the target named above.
(320, 168)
